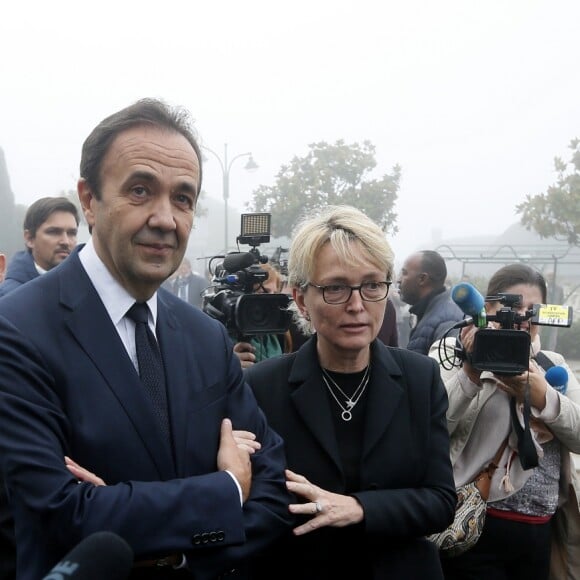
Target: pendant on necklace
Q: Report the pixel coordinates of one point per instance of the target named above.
(350, 404)
(346, 415)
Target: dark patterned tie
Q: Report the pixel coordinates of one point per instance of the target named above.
(150, 364)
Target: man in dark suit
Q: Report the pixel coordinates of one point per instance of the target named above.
(187, 285)
(191, 500)
(50, 234)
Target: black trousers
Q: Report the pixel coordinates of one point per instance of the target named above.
(506, 550)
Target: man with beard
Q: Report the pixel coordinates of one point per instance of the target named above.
(50, 234)
(422, 286)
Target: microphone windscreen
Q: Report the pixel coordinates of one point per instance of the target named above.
(238, 261)
(557, 376)
(468, 298)
(100, 556)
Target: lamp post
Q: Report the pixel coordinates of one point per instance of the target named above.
(226, 165)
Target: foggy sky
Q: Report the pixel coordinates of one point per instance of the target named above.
(473, 100)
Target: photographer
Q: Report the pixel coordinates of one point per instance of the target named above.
(263, 346)
(526, 534)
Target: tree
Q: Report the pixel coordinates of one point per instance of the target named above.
(329, 175)
(556, 213)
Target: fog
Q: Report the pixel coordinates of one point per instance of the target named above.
(473, 100)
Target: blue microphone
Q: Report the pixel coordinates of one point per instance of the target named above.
(557, 376)
(471, 302)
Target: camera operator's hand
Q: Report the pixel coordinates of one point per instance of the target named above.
(467, 339)
(245, 352)
(515, 386)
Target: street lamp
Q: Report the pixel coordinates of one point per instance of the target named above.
(226, 165)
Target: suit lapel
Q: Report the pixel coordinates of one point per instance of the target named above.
(311, 401)
(384, 395)
(92, 328)
(173, 349)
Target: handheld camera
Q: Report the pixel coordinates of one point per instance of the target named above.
(504, 350)
(234, 298)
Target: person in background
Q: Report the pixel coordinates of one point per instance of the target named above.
(7, 547)
(101, 366)
(403, 317)
(388, 332)
(422, 286)
(532, 521)
(263, 346)
(187, 285)
(363, 424)
(50, 234)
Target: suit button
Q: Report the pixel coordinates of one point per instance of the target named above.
(220, 536)
(204, 538)
(212, 536)
(196, 539)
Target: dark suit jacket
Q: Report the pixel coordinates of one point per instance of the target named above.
(68, 387)
(407, 489)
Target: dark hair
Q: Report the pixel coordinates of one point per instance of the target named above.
(152, 112)
(434, 265)
(42, 208)
(514, 274)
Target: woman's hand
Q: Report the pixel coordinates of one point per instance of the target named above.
(467, 339)
(326, 508)
(515, 386)
(81, 473)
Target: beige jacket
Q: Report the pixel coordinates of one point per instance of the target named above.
(476, 436)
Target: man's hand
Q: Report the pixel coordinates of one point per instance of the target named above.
(245, 352)
(235, 458)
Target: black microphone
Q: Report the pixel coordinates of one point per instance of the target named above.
(239, 261)
(100, 556)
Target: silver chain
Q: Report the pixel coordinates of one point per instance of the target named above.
(350, 402)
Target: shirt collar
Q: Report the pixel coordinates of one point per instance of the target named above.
(114, 297)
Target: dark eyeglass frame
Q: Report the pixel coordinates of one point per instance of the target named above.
(360, 288)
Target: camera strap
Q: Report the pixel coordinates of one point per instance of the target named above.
(526, 448)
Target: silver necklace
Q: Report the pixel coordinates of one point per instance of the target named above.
(350, 402)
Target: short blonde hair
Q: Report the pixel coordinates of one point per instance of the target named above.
(340, 226)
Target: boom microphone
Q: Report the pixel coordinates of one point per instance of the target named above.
(239, 261)
(471, 302)
(100, 556)
(557, 376)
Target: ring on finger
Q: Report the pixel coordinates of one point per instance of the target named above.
(317, 507)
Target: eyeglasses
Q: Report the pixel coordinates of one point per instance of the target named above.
(341, 293)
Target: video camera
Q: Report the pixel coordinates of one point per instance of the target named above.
(233, 297)
(504, 350)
